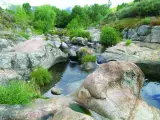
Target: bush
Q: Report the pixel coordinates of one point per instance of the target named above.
(79, 33)
(24, 35)
(109, 36)
(41, 76)
(44, 18)
(88, 58)
(147, 21)
(128, 42)
(17, 92)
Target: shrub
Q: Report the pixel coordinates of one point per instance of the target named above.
(44, 18)
(41, 76)
(109, 36)
(88, 58)
(24, 35)
(128, 42)
(147, 21)
(17, 92)
(79, 33)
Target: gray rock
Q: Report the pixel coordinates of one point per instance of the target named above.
(66, 39)
(56, 91)
(88, 66)
(131, 32)
(6, 60)
(64, 45)
(155, 34)
(4, 44)
(125, 33)
(29, 31)
(69, 114)
(72, 55)
(80, 41)
(95, 34)
(57, 43)
(135, 37)
(2, 27)
(144, 30)
(7, 75)
(55, 38)
(113, 91)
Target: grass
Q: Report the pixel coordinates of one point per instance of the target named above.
(128, 42)
(41, 76)
(147, 21)
(88, 58)
(17, 92)
(24, 35)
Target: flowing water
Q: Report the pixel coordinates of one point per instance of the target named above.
(68, 77)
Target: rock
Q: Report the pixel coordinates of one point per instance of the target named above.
(66, 39)
(131, 53)
(4, 44)
(29, 31)
(155, 34)
(131, 32)
(56, 91)
(64, 45)
(72, 55)
(88, 66)
(57, 44)
(125, 33)
(91, 45)
(95, 34)
(144, 30)
(55, 38)
(41, 109)
(7, 75)
(2, 27)
(30, 54)
(113, 91)
(79, 41)
(69, 114)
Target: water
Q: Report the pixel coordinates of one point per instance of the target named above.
(151, 93)
(68, 76)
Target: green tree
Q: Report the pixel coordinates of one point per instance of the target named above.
(44, 18)
(62, 18)
(27, 8)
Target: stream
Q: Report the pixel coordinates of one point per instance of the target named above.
(68, 76)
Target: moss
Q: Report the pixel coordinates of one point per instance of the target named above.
(128, 42)
(88, 58)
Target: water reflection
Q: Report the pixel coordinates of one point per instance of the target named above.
(151, 93)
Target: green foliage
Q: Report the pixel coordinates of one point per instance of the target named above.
(128, 42)
(73, 24)
(88, 58)
(27, 8)
(17, 92)
(21, 17)
(79, 33)
(44, 18)
(41, 76)
(62, 17)
(147, 21)
(109, 36)
(24, 35)
(142, 8)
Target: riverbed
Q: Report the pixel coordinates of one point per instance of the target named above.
(68, 76)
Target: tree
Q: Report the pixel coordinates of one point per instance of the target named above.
(44, 18)
(62, 18)
(27, 8)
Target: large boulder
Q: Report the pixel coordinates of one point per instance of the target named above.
(69, 114)
(144, 30)
(95, 34)
(155, 34)
(79, 41)
(113, 91)
(7, 75)
(29, 54)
